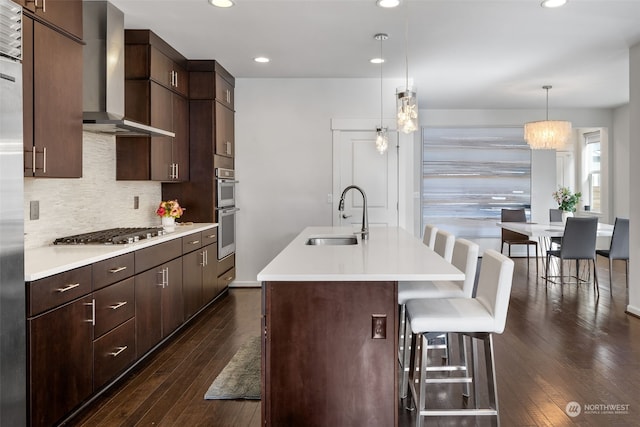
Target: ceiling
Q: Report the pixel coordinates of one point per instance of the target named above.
(461, 53)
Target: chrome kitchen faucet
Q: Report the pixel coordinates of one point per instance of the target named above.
(365, 221)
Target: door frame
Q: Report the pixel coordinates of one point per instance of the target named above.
(338, 126)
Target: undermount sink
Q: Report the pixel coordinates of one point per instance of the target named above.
(332, 240)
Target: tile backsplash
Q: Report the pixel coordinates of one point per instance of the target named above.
(94, 202)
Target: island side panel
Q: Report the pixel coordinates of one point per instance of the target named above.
(321, 365)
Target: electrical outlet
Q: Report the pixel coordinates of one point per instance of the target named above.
(379, 326)
(136, 202)
(34, 210)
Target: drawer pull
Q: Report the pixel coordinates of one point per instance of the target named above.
(118, 351)
(117, 269)
(68, 287)
(118, 305)
(228, 279)
(211, 236)
(194, 242)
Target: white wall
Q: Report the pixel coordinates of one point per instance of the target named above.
(634, 177)
(619, 162)
(284, 151)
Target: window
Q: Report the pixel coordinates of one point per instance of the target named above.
(592, 172)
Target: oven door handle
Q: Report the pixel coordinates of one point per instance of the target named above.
(227, 210)
(227, 181)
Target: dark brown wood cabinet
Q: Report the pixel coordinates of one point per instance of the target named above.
(159, 304)
(339, 357)
(86, 326)
(211, 145)
(52, 102)
(199, 277)
(156, 87)
(60, 348)
(64, 14)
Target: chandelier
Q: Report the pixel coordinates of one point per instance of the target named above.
(547, 134)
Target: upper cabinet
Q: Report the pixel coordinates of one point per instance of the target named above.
(156, 87)
(64, 14)
(210, 83)
(52, 96)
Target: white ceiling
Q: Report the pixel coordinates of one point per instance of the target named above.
(462, 53)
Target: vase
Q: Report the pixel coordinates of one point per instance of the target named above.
(565, 215)
(169, 224)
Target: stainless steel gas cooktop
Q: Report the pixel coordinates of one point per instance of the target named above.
(112, 236)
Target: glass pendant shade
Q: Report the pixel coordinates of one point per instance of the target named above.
(547, 134)
(407, 108)
(382, 142)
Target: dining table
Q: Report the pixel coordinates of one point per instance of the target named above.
(545, 231)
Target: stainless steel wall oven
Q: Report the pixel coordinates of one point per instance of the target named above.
(226, 211)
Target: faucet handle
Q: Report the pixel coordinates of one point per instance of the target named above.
(345, 216)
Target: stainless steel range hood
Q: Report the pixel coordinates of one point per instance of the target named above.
(103, 82)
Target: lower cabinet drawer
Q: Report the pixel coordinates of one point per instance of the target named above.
(114, 305)
(113, 352)
(226, 278)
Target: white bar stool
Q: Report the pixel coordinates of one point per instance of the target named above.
(477, 317)
(465, 258)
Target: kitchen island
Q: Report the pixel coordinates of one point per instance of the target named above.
(330, 321)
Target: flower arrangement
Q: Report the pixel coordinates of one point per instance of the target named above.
(170, 208)
(566, 200)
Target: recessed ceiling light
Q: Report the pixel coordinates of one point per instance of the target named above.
(376, 60)
(261, 59)
(388, 3)
(553, 3)
(221, 3)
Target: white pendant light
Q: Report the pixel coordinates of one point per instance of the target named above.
(382, 141)
(547, 134)
(406, 100)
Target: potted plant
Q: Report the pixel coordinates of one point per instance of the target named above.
(567, 201)
(168, 211)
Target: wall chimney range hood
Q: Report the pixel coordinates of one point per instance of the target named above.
(103, 74)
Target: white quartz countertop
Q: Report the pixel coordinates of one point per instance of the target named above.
(54, 259)
(390, 254)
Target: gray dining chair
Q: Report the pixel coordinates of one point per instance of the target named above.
(512, 238)
(618, 249)
(555, 215)
(578, 243)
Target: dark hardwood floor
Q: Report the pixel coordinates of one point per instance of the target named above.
(558, 347)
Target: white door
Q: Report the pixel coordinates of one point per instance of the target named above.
(357, 162)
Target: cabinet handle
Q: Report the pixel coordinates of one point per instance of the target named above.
(228, 279)
(176, 77)
(93, 312)
(166, 278)
(118, 351)
(44, 159)
(228, 96)
(206, 257)
(211, 236)
(117, 305)
(203, 263)
(117, 269)
(194, 242)
(33, 158)
(35, 2)
(68, 287)
(177, 167)
(228, 147)
(161, 272)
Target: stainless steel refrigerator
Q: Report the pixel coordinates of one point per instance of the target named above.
(13, 410)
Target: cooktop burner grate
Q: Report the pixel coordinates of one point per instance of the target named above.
(112, 236)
